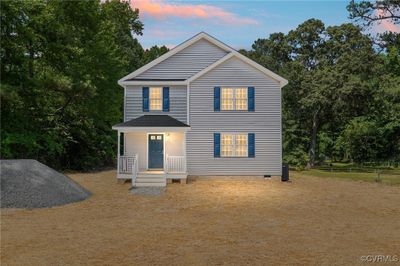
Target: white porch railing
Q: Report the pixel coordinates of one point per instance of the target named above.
(135, 169)
(176, 164)
(125, 164)
(129, 165)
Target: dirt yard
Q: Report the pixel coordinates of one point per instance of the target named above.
(311, 220)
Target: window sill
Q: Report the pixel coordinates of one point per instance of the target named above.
(234, 111)
(236, 157)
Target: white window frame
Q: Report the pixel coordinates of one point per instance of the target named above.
(161, 98)
(234, 145)
(234, 89)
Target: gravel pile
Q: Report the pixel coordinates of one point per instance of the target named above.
(30, 184)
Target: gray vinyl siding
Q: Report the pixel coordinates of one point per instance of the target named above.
(177, 103)
(186, 63)
(265, 122)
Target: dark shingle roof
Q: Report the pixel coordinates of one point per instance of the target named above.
(153, 121)
(145, 79)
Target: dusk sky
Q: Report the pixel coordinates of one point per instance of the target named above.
(237, 23)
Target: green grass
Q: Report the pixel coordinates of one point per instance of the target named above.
(388, 177)
(346, 166)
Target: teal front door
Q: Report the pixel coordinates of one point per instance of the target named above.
(156, 151)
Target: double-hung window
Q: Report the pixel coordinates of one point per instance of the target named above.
(234, 99)
(234, 145)
(156, 99)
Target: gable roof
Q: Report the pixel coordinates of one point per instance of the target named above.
(130, 78)
(186, 62)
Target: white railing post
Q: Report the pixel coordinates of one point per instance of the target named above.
(135, 168)
(184, 152)
(167, 164)
(118, 151)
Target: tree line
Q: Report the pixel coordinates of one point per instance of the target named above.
(60, 62)
(342, 102)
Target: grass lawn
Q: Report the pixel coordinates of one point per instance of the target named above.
(309, 221)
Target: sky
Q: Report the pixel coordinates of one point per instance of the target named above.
(237, 23)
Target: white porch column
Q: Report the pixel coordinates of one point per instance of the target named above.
(118, 150)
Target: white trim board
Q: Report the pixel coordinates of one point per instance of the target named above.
(153, 83)
(210, 67)
(152, 129)
(282, 81)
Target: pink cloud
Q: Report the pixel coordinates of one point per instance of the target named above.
(161, 10)
(387, 25)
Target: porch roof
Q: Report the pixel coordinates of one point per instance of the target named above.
(147, 79)
(151, 122)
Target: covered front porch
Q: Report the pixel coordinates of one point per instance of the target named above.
(151, 150)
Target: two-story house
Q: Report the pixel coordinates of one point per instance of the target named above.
(202, 109)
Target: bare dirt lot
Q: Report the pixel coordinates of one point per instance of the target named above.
(312, 221)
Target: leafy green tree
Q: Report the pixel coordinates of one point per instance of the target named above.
(154, 52)
(361, 139)
(60, 61)
(330, 70)
(372, 12)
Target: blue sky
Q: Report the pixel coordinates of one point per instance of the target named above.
(237, 23)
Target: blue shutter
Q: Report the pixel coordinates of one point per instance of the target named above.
(165, 99)
(251, 145)
(250, 99)
(145, 97)
(217, 98)
(217, 144)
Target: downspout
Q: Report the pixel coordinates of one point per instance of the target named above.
(124, 102)
(188, 103)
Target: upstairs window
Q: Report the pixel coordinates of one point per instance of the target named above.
(241, 98)
(156, 100)
(227, 99)
(234, 99)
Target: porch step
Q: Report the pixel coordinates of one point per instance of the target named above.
(150, 184)
(150, 176)
(151, 179)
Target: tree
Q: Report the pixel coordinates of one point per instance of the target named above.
(60, 62)
(372, 12)
(330, 70)
(153, 53)
(273, 52)
(369, 13)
